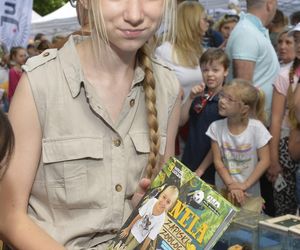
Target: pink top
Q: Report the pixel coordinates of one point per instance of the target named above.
(13, 78)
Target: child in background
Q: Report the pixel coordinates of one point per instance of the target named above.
(6, 142)
(18, 56)
(240, 143)
(147, 224)
(201, 108)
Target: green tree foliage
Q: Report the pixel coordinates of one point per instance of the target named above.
(43, 7)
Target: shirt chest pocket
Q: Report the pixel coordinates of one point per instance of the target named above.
(74, 172)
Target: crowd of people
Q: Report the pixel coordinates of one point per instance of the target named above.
(91, 122)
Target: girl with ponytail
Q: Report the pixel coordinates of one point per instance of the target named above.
(240, 144)
(284, 132)
(90, 121)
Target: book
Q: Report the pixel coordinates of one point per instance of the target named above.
(282, 223)
(179, 211)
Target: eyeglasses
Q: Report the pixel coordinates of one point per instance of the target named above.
(73, 3)
(227, 98)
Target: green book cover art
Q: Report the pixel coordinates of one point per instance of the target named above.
(180, 211)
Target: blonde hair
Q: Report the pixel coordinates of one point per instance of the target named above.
(225, 20)
(100, 42)
(251, 96)
(187, 46)
(174, 192)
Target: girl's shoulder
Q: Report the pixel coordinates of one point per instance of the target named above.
(218, 126)
(39, 60)
(165, 76)
(255, 122)
(220, 123)
(256, 125)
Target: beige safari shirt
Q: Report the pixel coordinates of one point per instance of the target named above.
(89, 168)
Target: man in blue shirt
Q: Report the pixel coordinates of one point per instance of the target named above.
(250, 50)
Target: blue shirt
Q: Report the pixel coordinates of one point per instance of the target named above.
(250, 41)
(198, 143)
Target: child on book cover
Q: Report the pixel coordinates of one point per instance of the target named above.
(145, 227)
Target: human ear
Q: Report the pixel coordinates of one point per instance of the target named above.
(269, 5)
(226, 73)
(245, 109)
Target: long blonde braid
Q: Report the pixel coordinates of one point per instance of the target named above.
(150, 99)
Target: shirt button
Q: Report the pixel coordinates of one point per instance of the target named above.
(117, 142)
(132, 102)
(113, 231)
(46, 54)
(118, 188)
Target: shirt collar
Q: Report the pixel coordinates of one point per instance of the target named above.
(72, 69)
(256, 22)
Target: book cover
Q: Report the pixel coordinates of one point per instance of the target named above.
(282, 223)
(179, 211)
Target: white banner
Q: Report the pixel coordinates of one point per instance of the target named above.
(15, 22)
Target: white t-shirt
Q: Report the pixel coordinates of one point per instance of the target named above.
(149, 225)
(188, 77)
(239, 152)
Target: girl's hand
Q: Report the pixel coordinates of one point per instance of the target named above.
(273, 171)
(197, 91)
(144, 184)
(124, 233)
(237, 185)
(238, 195)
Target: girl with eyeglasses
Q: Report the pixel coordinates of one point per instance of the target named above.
(240, 144)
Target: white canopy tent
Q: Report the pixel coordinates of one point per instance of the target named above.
(62, 21)
(35, 16)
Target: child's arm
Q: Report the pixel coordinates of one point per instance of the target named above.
(220, 168)
(278, 108)
(261, 167)
(125, 232)
(207, 161)
(146, 243)
(185, 108)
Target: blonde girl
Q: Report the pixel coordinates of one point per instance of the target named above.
(240, 142)
(283, 130)
(145, 227)
(90, 120)
(184, 53)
